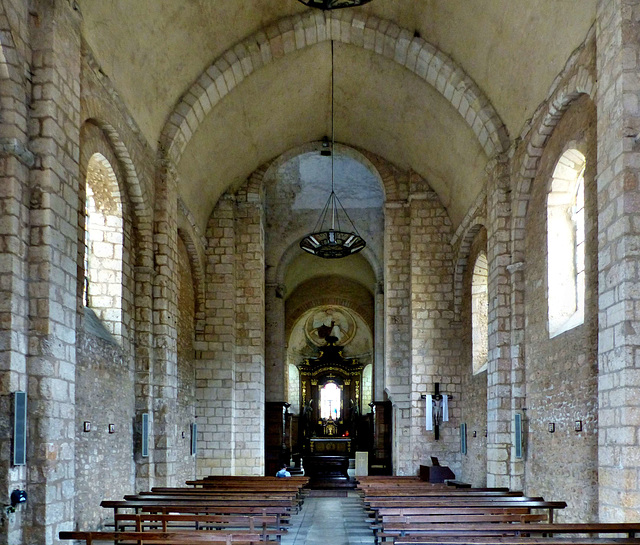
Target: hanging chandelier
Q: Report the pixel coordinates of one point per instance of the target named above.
(328, 238)
(333, 4)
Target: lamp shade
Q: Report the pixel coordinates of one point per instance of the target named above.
(333, 4)
(332, 244)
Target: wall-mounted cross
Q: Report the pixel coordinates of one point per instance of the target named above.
(437, 411)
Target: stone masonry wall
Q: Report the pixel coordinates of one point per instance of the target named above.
(474, 387)
(104, 397)
(618, 104)
(185, 409)
(249, 413)
(397, 379)
(215, 348)
(432, 353)
(562, 371)
(54, 136)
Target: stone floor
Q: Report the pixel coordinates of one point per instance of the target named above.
(330, 521)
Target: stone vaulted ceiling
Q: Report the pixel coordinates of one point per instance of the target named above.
(510, 51)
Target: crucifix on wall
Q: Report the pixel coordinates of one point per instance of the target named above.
(436, 410)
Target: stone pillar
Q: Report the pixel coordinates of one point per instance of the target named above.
(145, 279)
(55, 134)
(215, 353)
(165, 312)
(398, 330)
(275, 352)
(250, 334)
(379, 361)
(618, 104)
(499, 409)
(15, 162)
(431, 314)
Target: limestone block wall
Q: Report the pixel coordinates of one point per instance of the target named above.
(618, 197)
(562, 371)
(250, 333)
(185, 408)
(215, 348)
(104, 397)
(230, 374)
(397, 369)
(434, 358)
(54, 134)
(474, 387)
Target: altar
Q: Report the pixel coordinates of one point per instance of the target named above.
(330, 446)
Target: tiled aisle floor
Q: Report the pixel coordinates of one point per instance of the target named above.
(330, 521)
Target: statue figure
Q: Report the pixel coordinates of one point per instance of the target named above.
(307, 417)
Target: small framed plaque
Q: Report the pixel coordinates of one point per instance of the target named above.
(578, 425)
(551, 427)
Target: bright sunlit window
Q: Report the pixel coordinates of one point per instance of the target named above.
(330, 401)
(565, 244)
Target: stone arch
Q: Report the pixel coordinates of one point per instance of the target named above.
(462, 262)
(371, 33)
(377, 166)
(139, 194)
(582, 82)
(95, 143)
(382, 169)
(295, 309)
(294, 250)
(195, 249)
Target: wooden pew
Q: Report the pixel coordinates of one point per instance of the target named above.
(511, 540)
(267, 526)
(246, 498)
(169, 538)
(402, 505)
(495, 529)
(392, 526)
(631, 529)
(200, 507)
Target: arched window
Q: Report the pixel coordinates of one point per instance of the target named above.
(480, 314)
(103, 244)
(330, 396)
(565, 244)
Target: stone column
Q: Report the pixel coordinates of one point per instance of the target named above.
(499, 409)
(165, 307)
(250, 334)
(55, 135)
(145, 279)
(15, 162)
(379, 361)
(215, 353)
(431, 314)
(398, 329)
(618, 104)
(275, 352)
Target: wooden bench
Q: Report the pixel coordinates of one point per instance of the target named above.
(515, 529)
(392, 526)
(409, 506)
(511, 540)
(267, 526)
(442, 492)
(169, 538)
(257, 500)
(203, 508)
